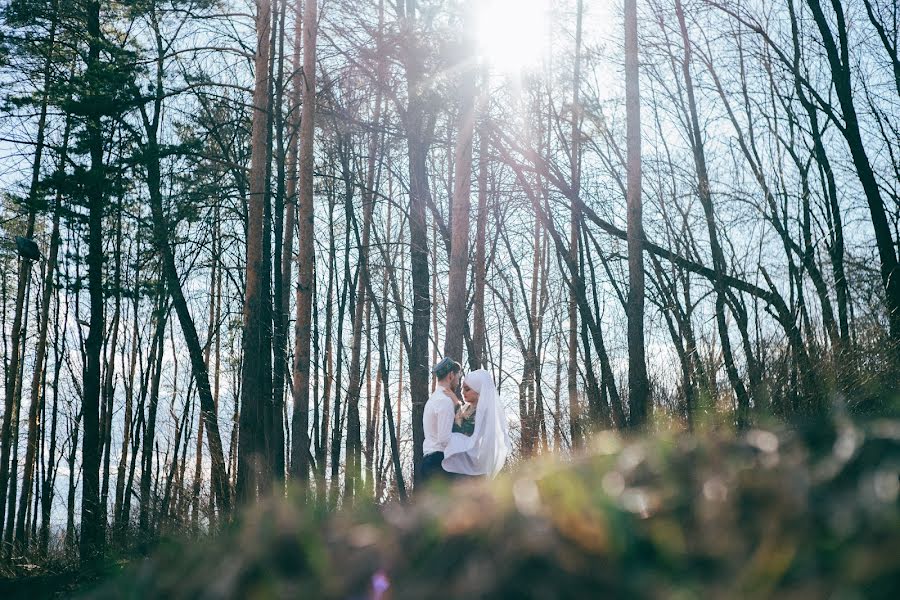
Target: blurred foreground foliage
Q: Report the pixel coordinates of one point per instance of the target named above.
(810, 513)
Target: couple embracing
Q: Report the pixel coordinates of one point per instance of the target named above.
(465, 437)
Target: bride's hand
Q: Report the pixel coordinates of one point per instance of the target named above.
(453, 396)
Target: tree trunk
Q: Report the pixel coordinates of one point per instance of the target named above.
(638, 386)
(457, 285)
(287, 248)
(38, 398)
(49, 484)
(251, 434)
(388, 413)
(70, 497)
(575, 426)
(352, 456)
(419, 194)
(121, 523)
(306, 254)
(352, 467)
(705, 195)
(841, 77)
(108, 392)
(476, 359)
(281, 285)
(92, 529)
(13, 381)
(199, 362)
(144, 522)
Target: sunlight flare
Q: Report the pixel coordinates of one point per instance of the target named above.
(512, 35)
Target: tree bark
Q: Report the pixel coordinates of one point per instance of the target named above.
(476, 359)
(718, 257)
(281, 285)
(841, 68)
(575, 425)
(638, 386)
(306, 254)
(144, 515)
(92, 531)
(161, 227)
(251, 435)
(13, 381)
(459, 212)
(417, 148)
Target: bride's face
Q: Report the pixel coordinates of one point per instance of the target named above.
(469, 395)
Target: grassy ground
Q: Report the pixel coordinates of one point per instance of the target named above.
(57, 577)
(812, 514)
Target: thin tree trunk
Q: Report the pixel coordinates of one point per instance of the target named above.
(476, 360)
(161, 228)
(322, 451)
(306, 254)
(837, 53)
(293, 141)
(92, 530)
(388, 413)
(120, 524)
(13, 382)
(281, 286)
(705, 195)
(144, 519)
(70, 498)
(38, 398)
(109, 380)
(575, 426)
(49, 483)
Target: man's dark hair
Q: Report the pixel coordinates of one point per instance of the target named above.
(446, 366)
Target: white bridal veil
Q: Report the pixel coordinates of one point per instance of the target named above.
(485, 451)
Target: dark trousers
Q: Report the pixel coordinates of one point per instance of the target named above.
(431, 467)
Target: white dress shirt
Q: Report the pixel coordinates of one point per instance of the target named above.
(438, 421)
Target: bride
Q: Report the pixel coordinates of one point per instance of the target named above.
(480, 448)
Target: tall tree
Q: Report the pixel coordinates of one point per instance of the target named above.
(575, 425)
(38, 389)
(638, 386)
(91, 543)
(479, 268)
(704, 193)
(293, 141)
(462, 187)
(836, 41)
(161, 227)
(256, 383)
(306, 247)
(12, 395)
(418, 127)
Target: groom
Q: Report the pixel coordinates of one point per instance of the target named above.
(438, 418)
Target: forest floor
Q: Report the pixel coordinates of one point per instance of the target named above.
(808, 513)
(63, 580)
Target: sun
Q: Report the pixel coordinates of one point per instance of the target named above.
(511, 35)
